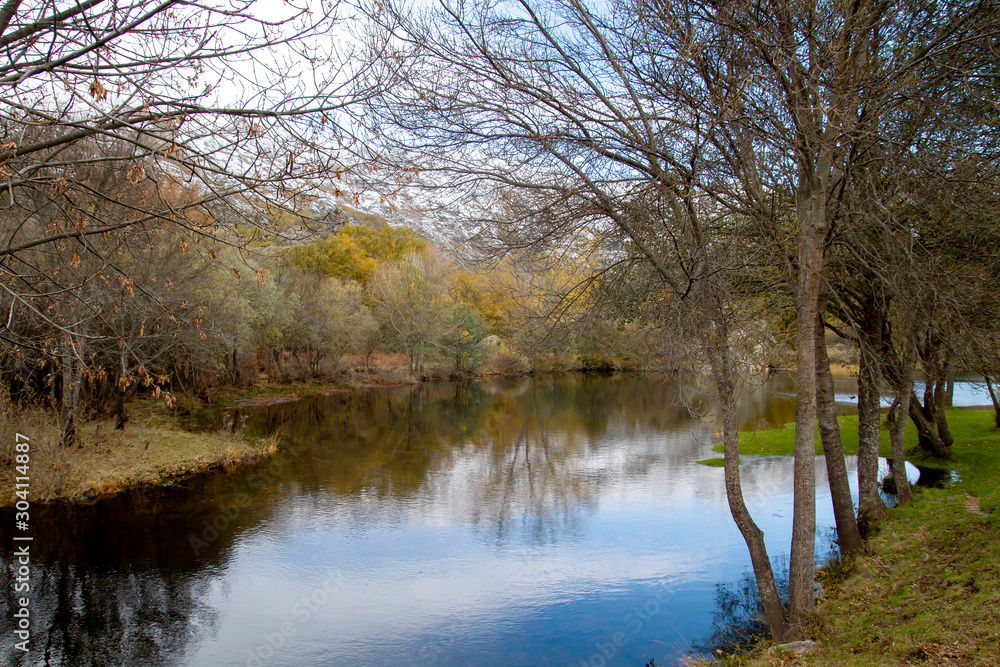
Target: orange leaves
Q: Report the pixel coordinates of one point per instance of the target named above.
(135, 174)
(98, 91)
(126, 284)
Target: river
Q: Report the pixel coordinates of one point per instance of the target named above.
(550, 521)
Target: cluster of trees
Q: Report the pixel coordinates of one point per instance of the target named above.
(166, 313)
(133, 137)
(812, 165)
(155, 308)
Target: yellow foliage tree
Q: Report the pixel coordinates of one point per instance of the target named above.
(356, 250)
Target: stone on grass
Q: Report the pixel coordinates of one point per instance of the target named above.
(804, 647)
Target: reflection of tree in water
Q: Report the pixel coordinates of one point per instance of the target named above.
(738, 620)
(146, 617)
(381, 441)
(547, 460)
(118, 583)
(112, 617)
(522, 457)
(531, 488)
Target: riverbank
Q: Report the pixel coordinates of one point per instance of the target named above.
(162, 445)
(928, 590)
(154, 449)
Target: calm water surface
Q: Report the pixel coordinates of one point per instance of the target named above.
(532, 522)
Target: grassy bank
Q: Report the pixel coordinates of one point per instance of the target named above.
(967, 425)
(158, 446)
(928, 591)
(153, 449)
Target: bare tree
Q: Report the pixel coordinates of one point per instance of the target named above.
(120, 121)
(613, 125)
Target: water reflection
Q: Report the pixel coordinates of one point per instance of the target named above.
(535, 522)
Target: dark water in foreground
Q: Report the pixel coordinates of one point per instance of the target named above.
(535, 522)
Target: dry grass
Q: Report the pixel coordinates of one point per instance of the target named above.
(844, 370)
(153, 449)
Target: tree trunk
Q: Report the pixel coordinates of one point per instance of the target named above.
(996, 404)
(177, 377)
(949, 374)
(811, 215)
(872, 332)
(68, 435)
(940, 417)
(774, 612)
(933, 434)
(848, 534)
(927, 437)
(903, 492)
(893, 412)
(121, 416)
(870, 504)
(72, 381)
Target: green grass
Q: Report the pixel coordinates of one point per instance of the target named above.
(712, 463)
(969, 426)
(717, 462)
(928, 591)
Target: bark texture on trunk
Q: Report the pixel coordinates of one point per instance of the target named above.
(870, 504)
(927, 436)
(940, 419)
(848, 534)
(72, 381)
(121, 415)
(993, 397)
(812, 219)
(933, 434)
(873, 328)
(949, 374)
